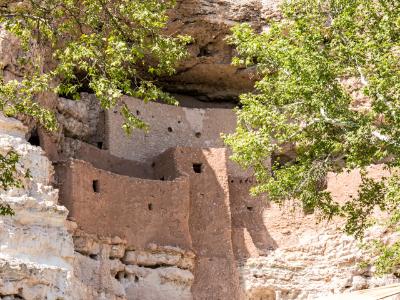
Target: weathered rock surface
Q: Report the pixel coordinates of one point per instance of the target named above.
(111, 269)
(81, 119)
(208, 73)
(37, 252)
(44, 256)
(323, 262)
(10, 52)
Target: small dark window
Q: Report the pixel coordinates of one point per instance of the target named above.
(197, 168)
(169, 129)
(120, 275)
(96, 186)
(138, 113)
(249, 208)
(136, 278)
(198, 134)
(34, 139)
(100, 145)
(153, 164)
(150, 206)
(179, 122)
(162, 178)
(94, 256)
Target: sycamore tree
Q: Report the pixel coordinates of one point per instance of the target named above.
(302, 99)
(111, 48)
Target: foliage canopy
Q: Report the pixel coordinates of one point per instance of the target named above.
(303, 99)
(111, 48)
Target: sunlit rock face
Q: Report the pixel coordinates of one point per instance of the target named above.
(37, 252)
(37, 257)
(312, 258)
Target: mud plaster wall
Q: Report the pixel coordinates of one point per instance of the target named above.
(191, 212)
(141, 211)
(68, 148)
(170, 126)
(215, 271)
(280, 255)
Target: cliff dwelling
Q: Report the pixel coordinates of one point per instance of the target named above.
(172, 188)
(164, 213)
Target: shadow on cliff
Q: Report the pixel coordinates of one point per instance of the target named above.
(249, 233)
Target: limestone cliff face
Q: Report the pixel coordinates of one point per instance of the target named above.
(311, 261)
(37, 252)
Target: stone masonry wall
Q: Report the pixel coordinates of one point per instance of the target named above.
(138, 210)
(215, 274)
(188, 208)
(170, 126)
(279, 254)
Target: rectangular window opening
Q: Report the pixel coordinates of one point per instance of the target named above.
(96, 186)
(197, 168)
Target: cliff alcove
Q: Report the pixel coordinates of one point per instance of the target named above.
(165, 214)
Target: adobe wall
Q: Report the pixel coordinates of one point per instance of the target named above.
(139, 210)
(170, 126)
(192, 211)
(215, 274)
(241, 244)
